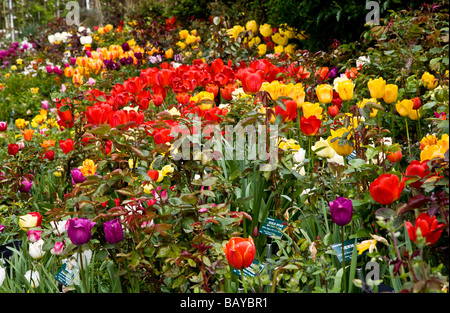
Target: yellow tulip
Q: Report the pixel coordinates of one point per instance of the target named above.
(431, 152)
(326, 152)
(280, 39)
(429, 81)
(444, 142)
(252, 26)
(361, 104)
(345, 89)
(428, 141)
(324, 93)
(262, 49)
(342, 150)
(376, 87)
(310, 109)
(390, 93)
(89, 168)
(278, 49)
(265, 30)
(414, 114)
(289, 144)
(404, 107)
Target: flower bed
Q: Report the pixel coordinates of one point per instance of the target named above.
(147, 157)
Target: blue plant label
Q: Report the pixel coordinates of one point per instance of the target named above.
(273, 227)
(351, 156)
(66, 274)
(348, 249)
(251, 270)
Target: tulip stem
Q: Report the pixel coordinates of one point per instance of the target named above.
(242, 278)
(407, 135)
(299, 129)
(82, 274)
(344, 276)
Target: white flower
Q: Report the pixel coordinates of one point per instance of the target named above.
(51, 39)
(85, 40)
(35, 249)
(326, 152)
(33, 278)
(362, 60)
(339, 159)
(299, 156)
(2, 274)
(59, 227)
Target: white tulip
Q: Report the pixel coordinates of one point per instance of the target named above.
(33, 278)
(85, 40)
(35, 249)
(299, 156)
(2, 274)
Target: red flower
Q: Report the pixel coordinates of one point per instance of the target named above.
(386, 189)
(153, 174)
(66, 145)
(291, 110)
(417, 104)
(323, 73)
(310, 126)
(240, 252)
(99, 113)
(49, 155)
(416, 168)
(333, 110)
(226, 91)
(394, 157)
(429, 228)
(252, 81)
(13, 149)
(133, 85)
(213, 89)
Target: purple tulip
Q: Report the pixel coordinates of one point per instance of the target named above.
(26, 185)
(333, 72)
(341, 211)
(49, 69)
(45, 105)
(113, 231)
(77, 176)
(2, 228)
(79, 230)
(73, 61)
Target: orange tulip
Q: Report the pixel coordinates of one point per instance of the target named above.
(240, 252)
(27, 134)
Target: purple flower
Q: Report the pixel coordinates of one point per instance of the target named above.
(113, 231)
(79, 230)
(3, 126)
(2, 228)
(333, 72)
(125, 46)
(26, 185)
(341, 211)
(77, 176)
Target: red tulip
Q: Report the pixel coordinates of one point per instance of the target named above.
(394, 157)
(240, 252)
(213, 89)
(333, 110)
(49, 155)
(387, 188)
(226, 91)
(416, 103)
(429, 228)
(133, 85)
(99, 113)
(310, 126)
(417, 168)
(153, 174)
(252, 81)
(66, 145)
(291, 110)
(13, 149)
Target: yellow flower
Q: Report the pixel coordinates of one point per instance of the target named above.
(428, 141)
(181, 44)
(310, 109)
(429, 81)
(289, 49)
(324, 93)
(366, 244)
(235, 31)
(325, 150)
(89, 168)
(361, 104)
(279, 39)
(34, 90)
(278, 49)
(204, 95)
(414, 114)
(273, 88)
(190, 39)
(345, 89)
(265, 30)
(168, 169)
(48, 143)
(262, 49)
(390, 93)
(431, 152)
(19, 61)
(13, 67)
(147, 188)
(183, 33)
(404, 107)
(444, 142)
(252, 26)
(376, 87)
(21, 123)
(342, 150)
(289, 144)
(168, 53)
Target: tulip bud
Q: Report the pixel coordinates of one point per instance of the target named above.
(417, 103)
